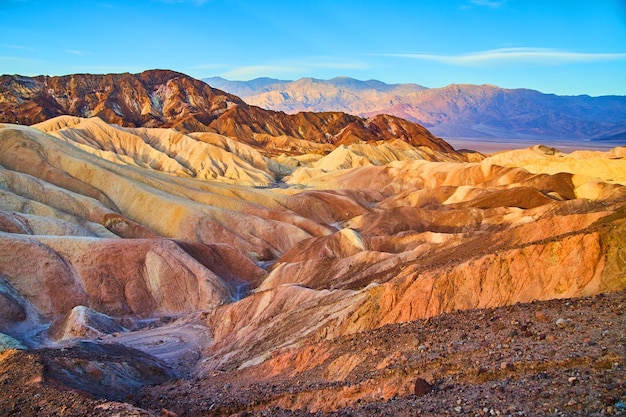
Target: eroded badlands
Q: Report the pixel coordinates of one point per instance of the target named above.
(210, 255)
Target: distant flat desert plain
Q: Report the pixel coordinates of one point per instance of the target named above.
(492, 145)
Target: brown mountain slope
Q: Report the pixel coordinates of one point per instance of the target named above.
(161, 98)
(151, 99)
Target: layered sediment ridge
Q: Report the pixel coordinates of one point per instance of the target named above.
(212, 256)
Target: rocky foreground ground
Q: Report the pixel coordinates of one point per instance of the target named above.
(559, 357)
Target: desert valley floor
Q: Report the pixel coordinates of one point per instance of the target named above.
(225, 265)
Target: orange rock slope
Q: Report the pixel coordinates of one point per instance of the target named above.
(106, 228)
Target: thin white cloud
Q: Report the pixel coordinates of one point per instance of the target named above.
(19, 65)
(17, 59)
(196, 2)
(515, 56)
(20, 47)
(102, 69)
(494, 4)
(293, 67)
(254, 71)
(325, 62)
(77, 52)
(207, 66)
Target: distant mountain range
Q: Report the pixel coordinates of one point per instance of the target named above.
(162, 98)
(472, 111)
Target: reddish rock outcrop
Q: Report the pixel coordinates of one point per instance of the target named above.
(160, 98)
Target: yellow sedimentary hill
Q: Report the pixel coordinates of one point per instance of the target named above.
(200, 155)
(607, 166)
(101, 226)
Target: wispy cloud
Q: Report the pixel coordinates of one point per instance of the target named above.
(9, 3)
(106, 5)
(293, 67)
(196, 2)
(16, 64)
(330, 63)
(515, 56)
(102, 69)
(494, 4)
(20, 47)
(17, 59)
(207, 67)
(254, 71)
(77, 52)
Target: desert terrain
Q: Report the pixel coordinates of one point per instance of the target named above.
(167, 249)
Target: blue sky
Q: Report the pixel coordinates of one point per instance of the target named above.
(565, 47)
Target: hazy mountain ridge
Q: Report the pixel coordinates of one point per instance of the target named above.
(451, 111)
(265, 84)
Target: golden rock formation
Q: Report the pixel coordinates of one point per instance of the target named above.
(256, 256)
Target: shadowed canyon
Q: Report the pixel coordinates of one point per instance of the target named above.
(167, 249)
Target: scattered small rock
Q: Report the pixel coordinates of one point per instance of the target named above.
(422, 387)
(562, 323)
(507, 365)
(542, 316)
